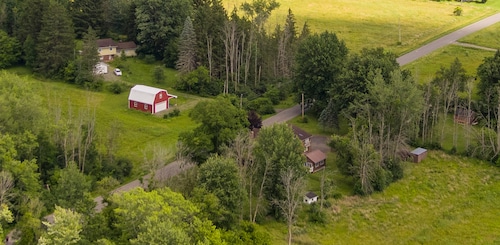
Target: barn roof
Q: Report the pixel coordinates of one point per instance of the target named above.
(418, 151)
(316, 156)
(145, 94)
(311, 195)
(300, 133)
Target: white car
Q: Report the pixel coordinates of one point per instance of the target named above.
(117, 72)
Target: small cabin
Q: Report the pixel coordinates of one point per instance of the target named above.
(418, 154)
(310, 197)
(316, 160)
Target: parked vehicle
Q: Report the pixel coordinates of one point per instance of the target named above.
(117, 72)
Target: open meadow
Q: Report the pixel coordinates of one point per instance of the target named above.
(378, 23)
(442, 200)
(137, 130)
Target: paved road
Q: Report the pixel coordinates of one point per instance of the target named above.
(448, 39)
(283, 116)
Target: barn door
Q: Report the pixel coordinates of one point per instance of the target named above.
(160, 106)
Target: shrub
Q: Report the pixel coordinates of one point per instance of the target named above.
(149, 59)
(262, 106)
(116, 88)
(458, 11)
(316, 215)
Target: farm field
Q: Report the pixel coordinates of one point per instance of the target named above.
(442, 200)
(378, 23)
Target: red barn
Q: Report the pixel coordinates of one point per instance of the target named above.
(150, 99)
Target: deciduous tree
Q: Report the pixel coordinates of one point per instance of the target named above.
(320, 59)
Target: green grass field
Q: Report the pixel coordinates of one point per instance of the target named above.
(137, 130)
(442, 200)
(425, 68)
(378, 23)
(488, 37)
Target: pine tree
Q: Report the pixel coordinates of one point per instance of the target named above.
(187, 48)
(88, 58)
(55, 46)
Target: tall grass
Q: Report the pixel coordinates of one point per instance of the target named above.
(442, 200)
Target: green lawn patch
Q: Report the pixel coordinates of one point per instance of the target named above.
(425, 68)
(378, 23)
(137, 130)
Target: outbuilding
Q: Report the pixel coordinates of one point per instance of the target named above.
(418, 154)
(150, 99)
(310, 197)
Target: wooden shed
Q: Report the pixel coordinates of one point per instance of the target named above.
(418, 154)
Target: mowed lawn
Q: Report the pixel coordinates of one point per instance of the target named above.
(378, 23)
(425, 68)
(138, 131)
(488, 37)
(442, 200)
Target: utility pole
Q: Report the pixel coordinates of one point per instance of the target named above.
(302, 105)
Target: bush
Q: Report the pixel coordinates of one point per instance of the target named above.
(262, 106)
(116, 87)
(458, 11)
(316, 215)
(149, 59)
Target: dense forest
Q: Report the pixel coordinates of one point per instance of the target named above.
(50, 160)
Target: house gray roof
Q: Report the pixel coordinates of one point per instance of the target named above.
(106, 42)
(418, 151)
(311, 195)
(127, 45)
(300, 133)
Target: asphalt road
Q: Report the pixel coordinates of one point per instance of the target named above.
(448, 39)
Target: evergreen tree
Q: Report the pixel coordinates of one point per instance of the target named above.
(187, 48)
(9, 50)
(55, 47)
(87, 14)
(159, 24)
(88, 58)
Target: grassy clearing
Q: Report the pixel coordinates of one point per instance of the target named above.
(377, 23)
(488, 37)
(426, 67)
(137, 130)
(442, 200)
